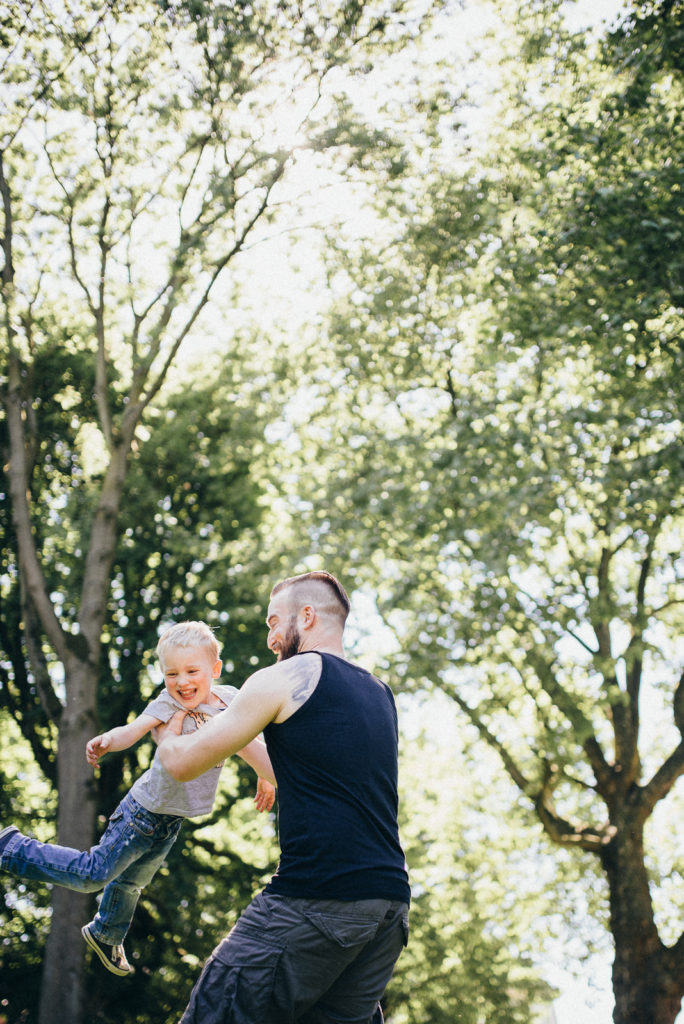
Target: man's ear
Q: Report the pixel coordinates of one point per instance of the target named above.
(307, 616)
(216, 671)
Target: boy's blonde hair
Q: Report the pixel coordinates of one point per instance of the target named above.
(189, 634)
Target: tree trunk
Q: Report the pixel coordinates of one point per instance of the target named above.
(648, 981)
(654, 996)
(62, 992)
(63, 989)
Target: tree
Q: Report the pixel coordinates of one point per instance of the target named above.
(190, 547)
(142, 148)
(508, 419)
(463, 963)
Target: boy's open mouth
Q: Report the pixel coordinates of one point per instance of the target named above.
(187, 694)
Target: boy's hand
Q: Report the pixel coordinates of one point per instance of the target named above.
(171, 728)
(265, 795)
(96, 747)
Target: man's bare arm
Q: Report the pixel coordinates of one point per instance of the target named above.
(259, 702)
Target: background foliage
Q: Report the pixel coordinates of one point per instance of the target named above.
(480, 434)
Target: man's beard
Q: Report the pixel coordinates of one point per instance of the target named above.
(292, 641)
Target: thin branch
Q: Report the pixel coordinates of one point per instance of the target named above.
(201, 144)
(39, 94)
(601, 626)
(36, 585)
(101, 402)
(35, 580)
(567, 704)
(218, 267)
(8, 266)
(673, 603)
(543, 607)
(71, 210)
(543, 668)
(590, 787)
(562, 831)
(510, 765)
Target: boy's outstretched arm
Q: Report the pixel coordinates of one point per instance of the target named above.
(119, 738)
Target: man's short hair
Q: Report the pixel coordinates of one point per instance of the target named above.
(189, 634)
(305, 585)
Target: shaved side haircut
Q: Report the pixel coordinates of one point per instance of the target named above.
(319, 589)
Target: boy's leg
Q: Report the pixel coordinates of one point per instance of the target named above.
(6, 834)
(129, 834)
(120, 896)
(82, 870)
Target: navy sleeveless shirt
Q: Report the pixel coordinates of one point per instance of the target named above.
(335, 760)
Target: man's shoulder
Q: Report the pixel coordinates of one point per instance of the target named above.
(288, 673)
(288, 684)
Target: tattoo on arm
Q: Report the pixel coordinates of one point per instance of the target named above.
(302, 691)
(305, 679)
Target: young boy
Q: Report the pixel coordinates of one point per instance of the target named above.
(144, 826)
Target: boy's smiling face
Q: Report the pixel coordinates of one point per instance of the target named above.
(188, 675)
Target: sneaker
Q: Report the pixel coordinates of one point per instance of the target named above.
(113, 957)
(5, 836)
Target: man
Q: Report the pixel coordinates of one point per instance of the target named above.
(319, 944)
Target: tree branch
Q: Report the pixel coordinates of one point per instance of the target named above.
(678, 705)
(46, 693)
(571, 633)
(601, 625)
(101, 401)
(18, 478)
(511, 767)
(623, 705)
(217, 268)
(18, 475)
(48, 81)
(7, 267)
(662, 782)
(70, 234)
(564, 832)
(102, 543)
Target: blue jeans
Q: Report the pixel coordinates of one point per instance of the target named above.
(133, 847)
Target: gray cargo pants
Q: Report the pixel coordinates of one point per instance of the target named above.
(306, 961)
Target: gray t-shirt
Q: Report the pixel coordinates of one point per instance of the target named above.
(158, 791)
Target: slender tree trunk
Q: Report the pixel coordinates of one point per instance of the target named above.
(63, 990)
(648, 983)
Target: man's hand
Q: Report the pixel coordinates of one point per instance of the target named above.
(171, 728)
(265, 795)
